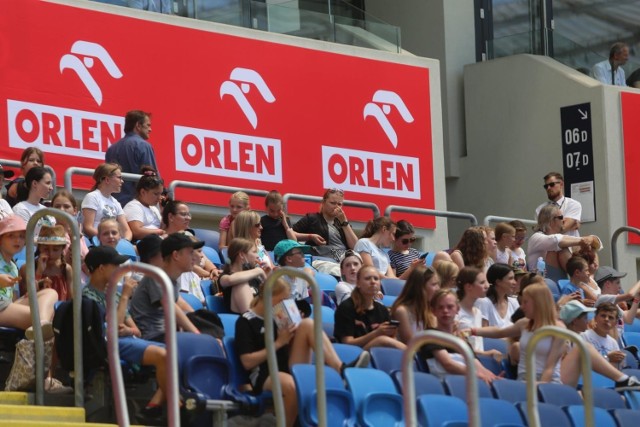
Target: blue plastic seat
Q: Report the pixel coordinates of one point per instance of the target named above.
(392, 287)
(216, 304)
(633, 399)
(192, 300)
(229, 323)
(597, 380)
(435, 410)
(632, 338)
(632, 327)
(347, 352)
(553, 287)
(490, 363)
(387, 359)
(496, 344)
(608, 399)
(211, 238)
(205, 284)
(495, 412)
(456, 385)
(601, 417)
(376, 399)
(424, 383)
(326, 282)
(212, 255)
(340, 405)
(206, 369)
(388, 300)
(510, 390)
(126, 248)
(550, 415)
(559, 394)
(328, 314)
(626, 417)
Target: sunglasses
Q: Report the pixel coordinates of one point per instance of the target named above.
(551, 184)
(410, 239)
(560, 217)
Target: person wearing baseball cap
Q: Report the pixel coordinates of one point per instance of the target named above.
(146, 303)
(102, 262)
(289, 253)
(574, 315)
(608, 279)
(149, 249)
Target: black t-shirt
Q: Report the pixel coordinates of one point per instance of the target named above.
(272, 232)
(249, 339)
(226, 291)
(350, 324)
(427, 350)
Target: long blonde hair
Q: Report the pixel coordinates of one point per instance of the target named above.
(244, 222)
(545, 308)
(279, 286)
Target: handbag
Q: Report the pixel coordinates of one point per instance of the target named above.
(207, 322)
(23, 371)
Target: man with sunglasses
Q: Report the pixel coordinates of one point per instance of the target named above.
(571, 209)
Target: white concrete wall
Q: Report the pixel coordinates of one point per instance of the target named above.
(512, 108)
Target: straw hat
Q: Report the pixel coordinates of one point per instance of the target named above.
(55, 235)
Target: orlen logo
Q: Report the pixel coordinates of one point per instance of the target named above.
(81, 59)
(380, 108)
(375, 173)
(227, 154)
(239, 84)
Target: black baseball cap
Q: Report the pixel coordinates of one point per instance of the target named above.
(99, 255)
(149, 246)
(177, 241)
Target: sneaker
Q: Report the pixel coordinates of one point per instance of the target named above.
(54, 386)
(362, 361)
(630, 384)
(47, 332)
(152, 416)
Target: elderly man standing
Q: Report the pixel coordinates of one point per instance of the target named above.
(549, 243)
(133, 151)
(571, 209)
(610, 71)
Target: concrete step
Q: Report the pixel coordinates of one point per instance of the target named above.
(15, 398)
(26, 423)
(55, 414)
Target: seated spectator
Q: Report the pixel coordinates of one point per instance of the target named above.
(610, 71)
(505, 235)
(99, 204)
(30, 157)
(242, 275)
(149, 249)
(442, 360)
(518, 256)
(247, 225)
(102, 262)
(36, 186)
(349, 267)
(190, 282)
(239, 202)
(52, 271)
(142, 213)
(491, 245)
(611, 291)
(378, 234)
(5, 207)
(471, 250)
(411, 308)
(109, 233)
(599, 336)
(328, 231)
(146, 303)
(591, 256)
(448, 272)
(293, 346)
(361, 320)
(176, 216)
(499, 304)
(579, 281)
(289, 253)
(275, 224)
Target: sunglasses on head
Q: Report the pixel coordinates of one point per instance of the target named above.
(551, 184)
(409, 240)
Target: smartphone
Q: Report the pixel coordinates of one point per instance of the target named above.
(423, 256)
(395, 323)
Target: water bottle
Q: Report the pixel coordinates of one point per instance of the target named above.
(541, 267)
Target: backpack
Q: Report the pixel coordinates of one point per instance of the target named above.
(94, 351)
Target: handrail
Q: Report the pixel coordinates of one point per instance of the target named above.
(276, 387)
(68, 176)
(17, 164)
(614, 241)
(432, 212)
(212, 187)
(492, 218)
(354, 203)
(585, 363)
(408, 384)
(77, 302)
(168, 298)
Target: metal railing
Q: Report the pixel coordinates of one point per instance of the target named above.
(168, 306)
(431, 212)
(614, 241)
(68, 176)
(408, 384)
(531, 380)
(17, 164)
(212, 187)
(304, 198)
(77, 302)
(276, 387)
(493, 218)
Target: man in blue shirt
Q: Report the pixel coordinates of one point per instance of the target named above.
(133, 151)
(610, 71)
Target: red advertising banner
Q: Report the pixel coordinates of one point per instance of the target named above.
(225, 109)
(631, 137)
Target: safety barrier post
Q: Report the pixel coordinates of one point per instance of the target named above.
(304, 198)
(17, 164)
(212, 187)
(614, 242)
(68, 176)
(492, 218)
(431, 212)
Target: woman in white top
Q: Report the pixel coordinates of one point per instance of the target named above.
(349, 267)
(498, 306)
(247, 225)
(37, 185)
(379, 233)
(142, 212)
(100, 204)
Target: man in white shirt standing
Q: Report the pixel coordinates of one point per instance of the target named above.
(571, 209)
(610, 71)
